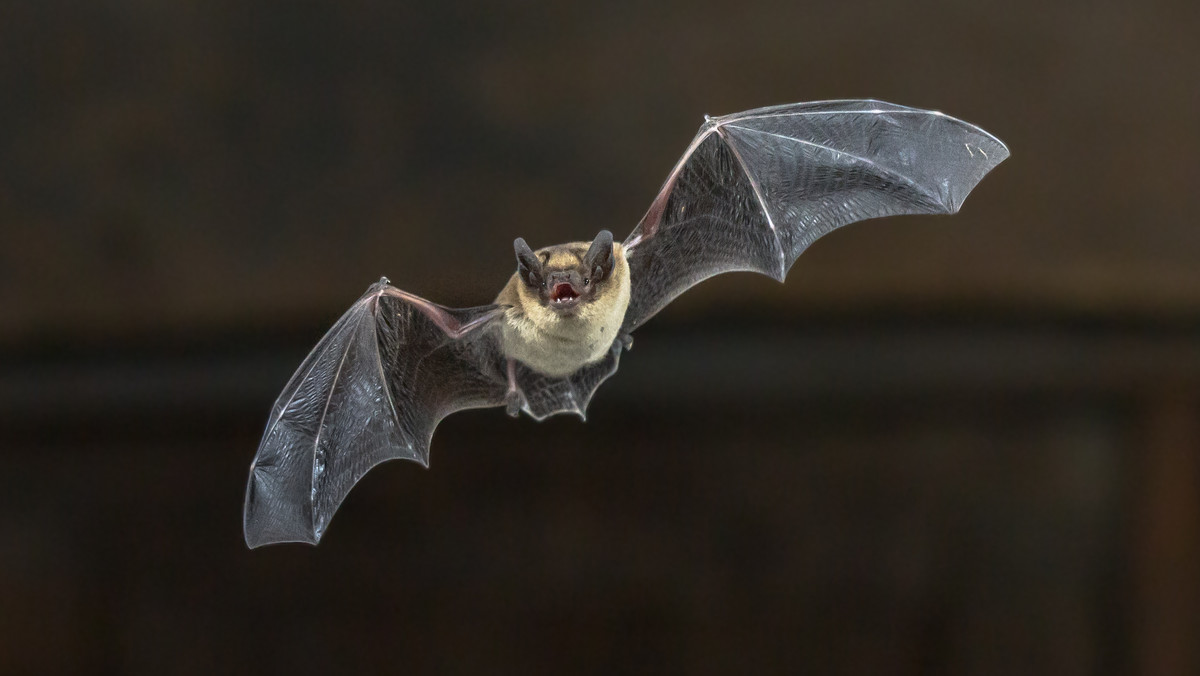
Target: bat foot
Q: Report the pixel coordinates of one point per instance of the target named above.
(626, 340)
(512, 404)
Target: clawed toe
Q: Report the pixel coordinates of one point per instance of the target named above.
(626, 340)
(512, 404)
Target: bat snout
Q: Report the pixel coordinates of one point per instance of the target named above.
(563, 291)
(563, 284)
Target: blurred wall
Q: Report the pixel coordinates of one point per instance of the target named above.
(961, 445)
(220, 163)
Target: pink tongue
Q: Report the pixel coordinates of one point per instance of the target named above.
(563, 291)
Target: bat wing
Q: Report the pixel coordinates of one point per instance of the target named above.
(546, 396)
(374, 389)
(755, 189)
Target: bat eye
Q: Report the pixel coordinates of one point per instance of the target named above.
(586, 281)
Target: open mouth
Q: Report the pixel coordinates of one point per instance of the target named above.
(563, 294)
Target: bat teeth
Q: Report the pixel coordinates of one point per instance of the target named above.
(563, 292)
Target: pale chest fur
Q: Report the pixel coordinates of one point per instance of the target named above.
(557, 345)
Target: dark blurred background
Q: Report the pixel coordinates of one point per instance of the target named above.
(965, 445)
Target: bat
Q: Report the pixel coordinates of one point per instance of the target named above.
(752, 191)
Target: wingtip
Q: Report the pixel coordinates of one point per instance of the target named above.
(258, 544)
(258, 533)
(262, 527)
(262, 537)
(1005, 153)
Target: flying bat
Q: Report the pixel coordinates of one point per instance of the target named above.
(752, 191)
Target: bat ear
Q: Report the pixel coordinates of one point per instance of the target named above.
(528, 264)
(599, 256)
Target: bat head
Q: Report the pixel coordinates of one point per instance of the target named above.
(568, 276)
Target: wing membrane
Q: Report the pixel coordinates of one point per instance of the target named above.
(755, 189)
(374, 389)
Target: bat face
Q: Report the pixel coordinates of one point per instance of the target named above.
(568, 277)
(564, 289)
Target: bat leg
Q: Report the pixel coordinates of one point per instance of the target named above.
(513, 399)
(626, 339)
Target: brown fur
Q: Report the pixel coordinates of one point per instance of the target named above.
(557, 345)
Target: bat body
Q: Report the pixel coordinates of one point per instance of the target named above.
(752, 191)
(559, 332)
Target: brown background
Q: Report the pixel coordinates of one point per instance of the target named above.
(962, 445)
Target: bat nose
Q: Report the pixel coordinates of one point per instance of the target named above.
(561, 277)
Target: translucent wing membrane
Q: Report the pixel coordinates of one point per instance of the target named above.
(374, 389)
(752, 192)
(755, 189)
(545, 396)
